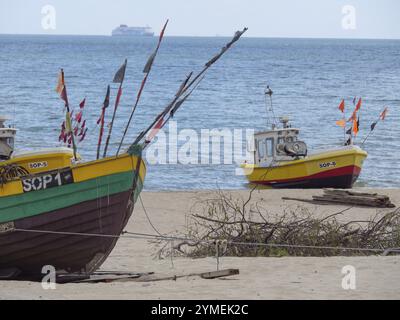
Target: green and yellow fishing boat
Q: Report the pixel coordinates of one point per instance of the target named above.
(66, 217)
(58, 210)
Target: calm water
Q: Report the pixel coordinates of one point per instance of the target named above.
(309, 77)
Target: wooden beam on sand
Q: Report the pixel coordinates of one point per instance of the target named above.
(203, 275)
(348, 197)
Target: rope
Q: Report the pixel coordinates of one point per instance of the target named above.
(9, 172)
(148, 218)
(136, 235)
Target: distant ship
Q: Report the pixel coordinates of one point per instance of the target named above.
(124, 30)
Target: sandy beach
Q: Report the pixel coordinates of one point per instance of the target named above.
(377, 277)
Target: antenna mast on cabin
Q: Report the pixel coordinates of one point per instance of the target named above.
(269, 107)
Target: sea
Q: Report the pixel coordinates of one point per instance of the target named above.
(309, 78)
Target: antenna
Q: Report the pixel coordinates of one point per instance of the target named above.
(269, 92)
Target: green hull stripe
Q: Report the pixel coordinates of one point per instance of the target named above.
(37, 202)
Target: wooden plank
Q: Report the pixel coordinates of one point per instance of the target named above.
(349, 192)
(219, 274)
(356, 201)
(204, 275)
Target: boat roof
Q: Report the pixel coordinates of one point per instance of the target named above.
(277, 130)
(42, 151)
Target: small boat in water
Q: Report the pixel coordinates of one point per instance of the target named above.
(281, 160)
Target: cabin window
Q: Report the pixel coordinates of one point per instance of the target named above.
(10, 142)
(269, 143)
(261, 149)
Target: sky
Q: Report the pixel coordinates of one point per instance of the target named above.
(264, 18)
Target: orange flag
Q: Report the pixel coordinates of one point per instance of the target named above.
(60, 83)
(355, 127)
(353, 116)
(341, 106)
(341, 123)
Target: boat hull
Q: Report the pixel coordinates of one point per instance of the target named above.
(330, 169)
(72, 227)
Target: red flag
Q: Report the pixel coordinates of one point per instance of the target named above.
(78, 117)
(341, 106)
(82, 104)
(83, 135)
(383, 113)
(118, 97)
(358, 106)
(155, 129)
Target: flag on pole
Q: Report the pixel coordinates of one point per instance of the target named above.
(383, 114)
(358, 106)
(83, 135)
(155, 130)
(120, 75)
(152, 57)
(341, 106)
(60, 83)
(61, 88)
(78, 117)
(355, 126)
(106, 102)
(119, 94)
(341, 123)
(82, 104)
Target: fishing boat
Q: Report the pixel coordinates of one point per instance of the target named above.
(281, 160)
(64, 214)
(61, 211)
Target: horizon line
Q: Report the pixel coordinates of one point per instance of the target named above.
(197, 36)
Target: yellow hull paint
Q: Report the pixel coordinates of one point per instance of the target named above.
(82, 171)
(308, 166)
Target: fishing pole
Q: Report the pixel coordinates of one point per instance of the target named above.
(165, 111)
(62, 90)
(106, 103)
(146, 70)
(382, 116)
(177, 102)
(118, 78)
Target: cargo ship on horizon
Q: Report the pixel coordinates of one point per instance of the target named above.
(125, 31)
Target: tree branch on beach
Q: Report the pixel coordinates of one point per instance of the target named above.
(250, 230)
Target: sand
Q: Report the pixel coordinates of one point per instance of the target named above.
(377, 277)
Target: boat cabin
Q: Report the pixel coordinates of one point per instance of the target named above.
(278, 144)
(7, 137)
(33, 161)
